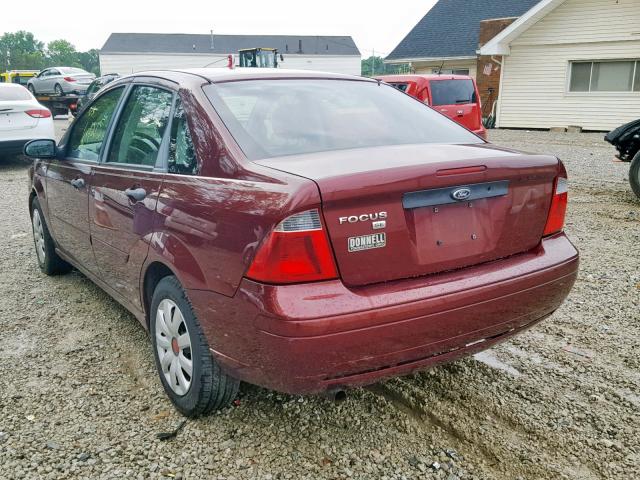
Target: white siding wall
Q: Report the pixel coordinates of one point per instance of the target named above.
(427, 67)
(534, 91)
(125, 64)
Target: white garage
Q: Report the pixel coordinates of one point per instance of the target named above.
(126, 53)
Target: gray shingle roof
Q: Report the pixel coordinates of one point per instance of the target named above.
(226, 44)
(451, 27)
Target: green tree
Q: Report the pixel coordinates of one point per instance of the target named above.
(62, 53)
(372, 66)
(90, 61)
(375, 66)
(20, 50)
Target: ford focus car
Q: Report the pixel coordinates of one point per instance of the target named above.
(302, 231)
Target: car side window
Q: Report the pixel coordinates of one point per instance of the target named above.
(89, 131)
(144, 119)
(182, 156)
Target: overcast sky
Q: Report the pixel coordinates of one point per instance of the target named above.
(87, 24)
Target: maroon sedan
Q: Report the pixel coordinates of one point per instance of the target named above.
(301, 231)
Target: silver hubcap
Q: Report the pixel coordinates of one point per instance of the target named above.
(174, 347)
(38, 235)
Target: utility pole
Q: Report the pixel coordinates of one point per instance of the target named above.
(373, 62)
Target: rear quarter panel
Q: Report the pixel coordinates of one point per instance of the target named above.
(208, 229)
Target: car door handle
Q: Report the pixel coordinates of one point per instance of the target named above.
(136, 194)
(78, 183)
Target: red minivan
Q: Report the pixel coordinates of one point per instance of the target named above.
(455, 96)
(302, 231)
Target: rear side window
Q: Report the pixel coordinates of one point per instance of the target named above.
(144, 119)
(452, 92)
(90, 129)
(14, 94)
(182, 156)
(275, 117)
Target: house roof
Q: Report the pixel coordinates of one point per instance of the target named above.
(499, 45)
(226, 44)
(451, 28)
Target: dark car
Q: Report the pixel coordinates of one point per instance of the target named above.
(302, 231)
(626, 139)
(455, 96)
(93, 88)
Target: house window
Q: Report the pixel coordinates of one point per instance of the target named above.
(611, 76)
(451, 71)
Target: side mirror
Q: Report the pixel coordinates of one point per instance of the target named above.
(45, 148)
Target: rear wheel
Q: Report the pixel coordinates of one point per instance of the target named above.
(58, 90)
(32, 89)
(190, 376)
(48, 260)
(634, 174)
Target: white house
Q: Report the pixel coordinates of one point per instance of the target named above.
(126, 53)
(570, 62)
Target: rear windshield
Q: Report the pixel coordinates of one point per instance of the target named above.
(14, 93)
(452, 92)
(271, 118)
(400, 86)
(72, 70)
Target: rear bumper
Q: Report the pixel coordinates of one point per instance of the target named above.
(323, 336)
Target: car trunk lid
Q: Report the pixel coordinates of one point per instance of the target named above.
(13, 115)
(405, 211)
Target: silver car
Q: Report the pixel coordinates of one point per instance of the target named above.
(61, 81)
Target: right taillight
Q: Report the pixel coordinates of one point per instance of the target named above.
(296, 251)
(555, 220)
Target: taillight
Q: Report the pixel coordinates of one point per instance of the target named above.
(39, 113)
(69, 79)
(555, 220)
(297, 250)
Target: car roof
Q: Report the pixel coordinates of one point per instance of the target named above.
(214, 75)
(416, 77)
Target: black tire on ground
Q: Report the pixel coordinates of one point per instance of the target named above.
(634, 174)
(58, 90)
(32, 89)
(50, 263)
(210, 388)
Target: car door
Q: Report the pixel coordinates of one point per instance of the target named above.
(68, 179)
(46, 85)
(126, 185)
(39, 81)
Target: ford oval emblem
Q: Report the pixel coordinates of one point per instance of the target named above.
(461, 194)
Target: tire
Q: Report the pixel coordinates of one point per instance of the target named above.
(58, 90)
(207, 388)
(48, 260)
(32, 89)
(634, 174)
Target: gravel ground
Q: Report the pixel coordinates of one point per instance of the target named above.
(79, 396)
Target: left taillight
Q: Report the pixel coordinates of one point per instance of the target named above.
(69, 79)
(39, 113)
(296, 251)
(558, 210)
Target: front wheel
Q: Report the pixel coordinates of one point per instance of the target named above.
(32, 89)
(48, 260)
(58, 90)
(190, 376)
(634, 174)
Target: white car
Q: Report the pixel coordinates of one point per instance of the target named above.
(22, 119)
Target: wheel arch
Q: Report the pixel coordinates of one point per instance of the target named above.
(153, 273)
